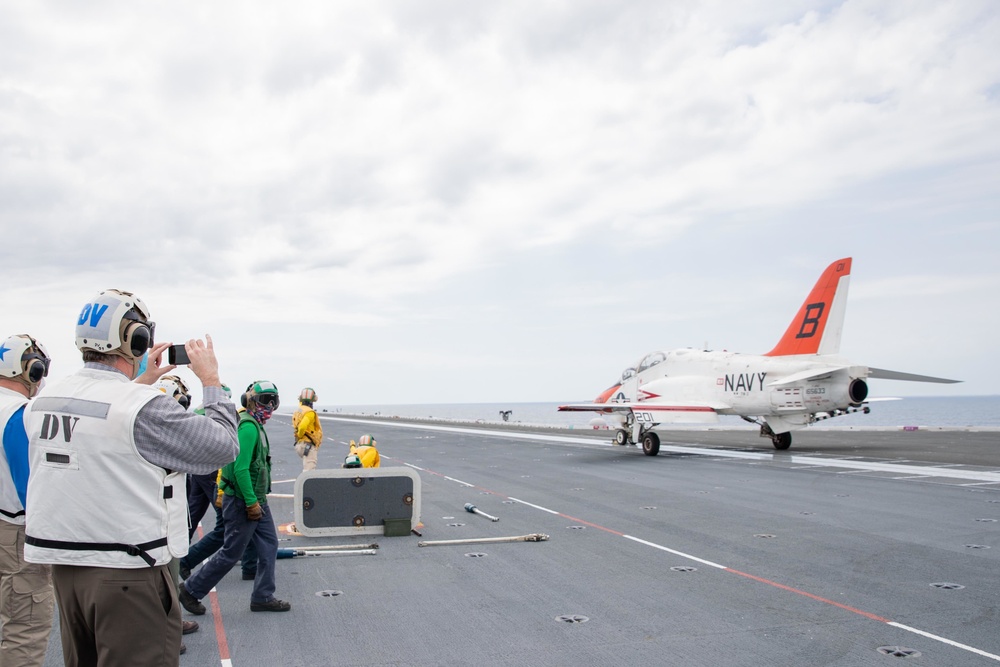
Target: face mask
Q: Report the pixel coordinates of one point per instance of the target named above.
(142, 364)
(261, 414)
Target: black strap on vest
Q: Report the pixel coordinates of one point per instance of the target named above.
(12, 515)
(131, 549)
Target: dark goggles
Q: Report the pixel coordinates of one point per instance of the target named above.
(266, 400)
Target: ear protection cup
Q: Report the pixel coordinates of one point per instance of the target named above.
(35, 371)
(137, 338)
(243, 400)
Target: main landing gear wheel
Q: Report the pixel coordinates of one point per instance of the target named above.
(621, 437)
(650, 444)
(782, 440)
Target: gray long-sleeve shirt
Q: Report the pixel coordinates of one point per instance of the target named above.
(169, 436)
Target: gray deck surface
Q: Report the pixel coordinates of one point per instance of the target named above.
(802, 557)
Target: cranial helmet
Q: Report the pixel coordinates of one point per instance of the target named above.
(173, 386)
(115, 322)
(366, 441)
(229, 392)
(307, 396)
(23, 357)
(263, 393)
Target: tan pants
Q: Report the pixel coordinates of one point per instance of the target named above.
(118, 618)
(25, 602)
(308, 460)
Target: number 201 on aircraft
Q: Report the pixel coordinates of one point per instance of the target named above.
(644, 417)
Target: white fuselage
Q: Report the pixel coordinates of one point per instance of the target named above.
(743, 384)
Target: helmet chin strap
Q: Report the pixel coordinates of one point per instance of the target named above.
(31, 387)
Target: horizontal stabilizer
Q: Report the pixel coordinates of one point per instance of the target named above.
(883, 374)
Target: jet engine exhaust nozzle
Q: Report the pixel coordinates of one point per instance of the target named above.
(858, 391)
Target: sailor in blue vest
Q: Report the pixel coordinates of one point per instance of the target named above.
(25, 588)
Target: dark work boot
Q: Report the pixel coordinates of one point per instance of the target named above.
(274, 604)
(189, 602)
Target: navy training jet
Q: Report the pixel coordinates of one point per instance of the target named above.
(801, 381)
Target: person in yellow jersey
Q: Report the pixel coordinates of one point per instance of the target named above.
(363, 453)
(308, 429)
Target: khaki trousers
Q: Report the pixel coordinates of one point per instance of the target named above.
(118, 618)
(25, 602)
(309, 460)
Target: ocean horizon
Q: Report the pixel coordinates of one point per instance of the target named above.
(923, 411)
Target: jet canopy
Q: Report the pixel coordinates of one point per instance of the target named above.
(647, 362)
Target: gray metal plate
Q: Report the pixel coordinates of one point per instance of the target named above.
(355, 501)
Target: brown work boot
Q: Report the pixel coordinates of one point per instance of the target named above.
(274, 604)
(189, 602)
(187, 627)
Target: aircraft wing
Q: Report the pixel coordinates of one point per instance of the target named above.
(606, 408)
(659, 413)
(909, 377)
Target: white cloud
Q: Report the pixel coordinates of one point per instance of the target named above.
(647, 171)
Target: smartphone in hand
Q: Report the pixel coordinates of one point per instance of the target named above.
(177, 355)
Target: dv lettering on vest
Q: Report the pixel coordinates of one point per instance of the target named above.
(51, 426)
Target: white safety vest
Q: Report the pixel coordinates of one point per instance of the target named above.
(11, 509)
(94, 500)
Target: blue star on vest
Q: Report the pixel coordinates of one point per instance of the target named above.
(3, 350)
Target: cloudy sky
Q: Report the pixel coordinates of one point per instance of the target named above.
(436, 202)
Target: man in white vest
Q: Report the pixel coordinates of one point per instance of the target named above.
(106, 491)
(25, 588)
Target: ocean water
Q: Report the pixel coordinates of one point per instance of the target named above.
(924, 411)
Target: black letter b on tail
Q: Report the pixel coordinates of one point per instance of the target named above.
(810, 323)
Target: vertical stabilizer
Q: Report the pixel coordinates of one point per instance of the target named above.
(817, 327)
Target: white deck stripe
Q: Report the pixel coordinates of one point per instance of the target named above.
(943, 640)
(675, 552)
(537, 507)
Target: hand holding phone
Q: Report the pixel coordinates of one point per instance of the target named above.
(176, 354)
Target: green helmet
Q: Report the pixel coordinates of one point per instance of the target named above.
(263, 393)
